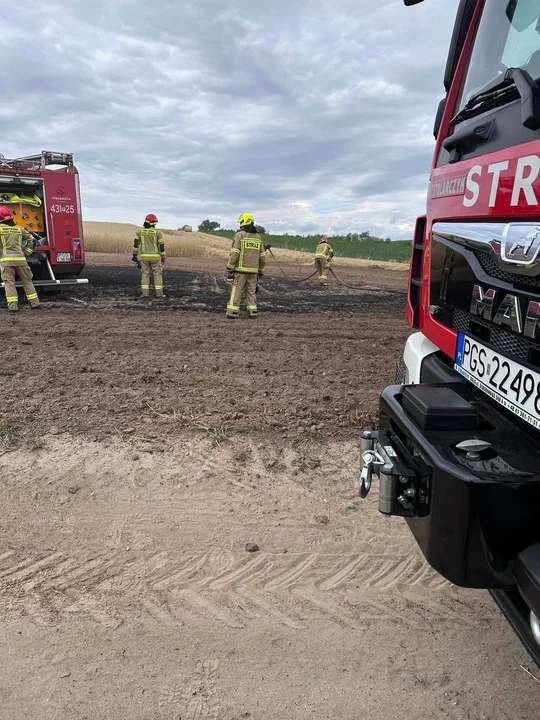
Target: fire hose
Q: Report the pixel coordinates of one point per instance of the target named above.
(268, 248)
(350, 287)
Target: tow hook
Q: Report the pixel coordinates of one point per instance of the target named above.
(368, 456)
(370, 459)
(397, 484)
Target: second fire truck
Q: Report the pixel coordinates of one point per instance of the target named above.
(42, 192)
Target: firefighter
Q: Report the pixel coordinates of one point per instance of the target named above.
(246, 264)
(323, 257)
(16, 244)
(149, 254)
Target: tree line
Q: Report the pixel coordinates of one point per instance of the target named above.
(209, 226)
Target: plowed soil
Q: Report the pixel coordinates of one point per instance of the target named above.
(145, 445)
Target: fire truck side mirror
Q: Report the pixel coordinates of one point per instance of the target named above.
(408, 3)
(438, 118)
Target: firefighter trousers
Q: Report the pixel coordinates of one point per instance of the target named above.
(9, 276)
(322, 266)
(243, 283)
(151, 268)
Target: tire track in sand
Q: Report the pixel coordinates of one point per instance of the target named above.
(227, 588)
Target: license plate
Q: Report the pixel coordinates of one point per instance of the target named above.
(514, 386)
(63, 257)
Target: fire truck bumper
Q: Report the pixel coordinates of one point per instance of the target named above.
(466, 479)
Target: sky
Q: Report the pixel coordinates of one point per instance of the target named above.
(314, 115)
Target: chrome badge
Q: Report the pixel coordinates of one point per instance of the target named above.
(518, 248)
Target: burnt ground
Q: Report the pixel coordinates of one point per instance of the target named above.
(105, 359)
(208, 292)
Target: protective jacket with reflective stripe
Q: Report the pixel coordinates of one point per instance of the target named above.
(324, 250)
(247, 254)
(148, 244)
(15, 244)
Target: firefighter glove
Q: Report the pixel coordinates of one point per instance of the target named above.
(134, 258)
(260, 274)
(267, 247)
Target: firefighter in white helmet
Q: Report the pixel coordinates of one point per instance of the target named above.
(323, 257)
(149, 254)
(16, 244)
(247, 259)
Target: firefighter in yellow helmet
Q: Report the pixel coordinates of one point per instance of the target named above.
(16, 244)
(323, 257)
(247, 259)
(149, 254)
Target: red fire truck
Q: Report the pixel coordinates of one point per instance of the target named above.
(457, 451)
(42, 192)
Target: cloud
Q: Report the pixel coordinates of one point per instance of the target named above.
(313, 114)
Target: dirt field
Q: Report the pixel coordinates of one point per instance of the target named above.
(126, 589)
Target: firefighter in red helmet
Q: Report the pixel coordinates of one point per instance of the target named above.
(16, 244)
(323, 257)
(149, 254)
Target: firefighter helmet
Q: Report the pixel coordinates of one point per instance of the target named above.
(151, 219)
(5, 213)
(323, 239)
(246, 219)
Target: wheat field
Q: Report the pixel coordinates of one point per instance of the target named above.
(109, 237)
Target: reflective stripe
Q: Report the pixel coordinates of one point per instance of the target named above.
(145, 287)
(32, 296)
(149, 255)
(158, 287)
(12, 298)
(241, 269)
(251, 307)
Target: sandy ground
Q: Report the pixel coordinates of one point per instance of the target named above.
(126, 589)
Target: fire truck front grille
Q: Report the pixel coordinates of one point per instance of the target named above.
(516, 347)
(490, 266)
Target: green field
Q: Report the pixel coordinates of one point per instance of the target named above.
(397, 251)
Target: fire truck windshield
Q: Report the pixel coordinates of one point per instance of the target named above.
(508, 37)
